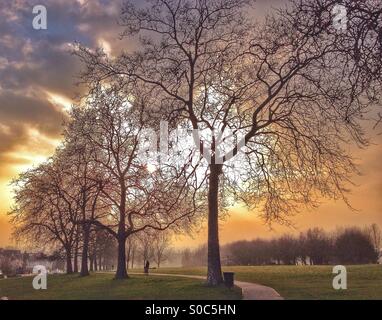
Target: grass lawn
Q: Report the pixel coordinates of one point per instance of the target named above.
(103, 287)
(306, 282)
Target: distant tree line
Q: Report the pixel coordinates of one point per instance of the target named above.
(313, 247)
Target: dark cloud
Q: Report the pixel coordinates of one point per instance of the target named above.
(36, 63)
(27, 126)
(32, 112)
(41, 58)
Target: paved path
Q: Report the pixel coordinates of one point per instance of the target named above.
(251, 291)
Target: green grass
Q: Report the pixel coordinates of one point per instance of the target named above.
(307, 282)
(292, 282)
(103, 287)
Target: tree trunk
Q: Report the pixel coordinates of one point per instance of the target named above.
(95, 261)
(121, 237)
(100, 262)
(91, 262)
(121, 263)
(85, 251)
(69, 266)
(128, 255)
(132, 259)
(75, 260)
(214, 274)
(103, 263)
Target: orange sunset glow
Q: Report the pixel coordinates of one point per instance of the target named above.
(365, 198)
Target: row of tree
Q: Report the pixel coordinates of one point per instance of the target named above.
(97, 185)
(153, 247)
(314, 247)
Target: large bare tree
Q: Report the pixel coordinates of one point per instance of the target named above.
(292, 89)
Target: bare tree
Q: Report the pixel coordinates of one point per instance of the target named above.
(161, 246)
(318, 246)
(45, 210)
(102, 250)
(375, 235)
(145, 247)
(361, 247)
(292, 89)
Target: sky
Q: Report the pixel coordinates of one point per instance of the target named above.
(38, 84)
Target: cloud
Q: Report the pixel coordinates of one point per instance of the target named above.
(18, 111)
(38, 78)
(38, 74)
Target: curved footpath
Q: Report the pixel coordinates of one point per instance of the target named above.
(251, 291)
